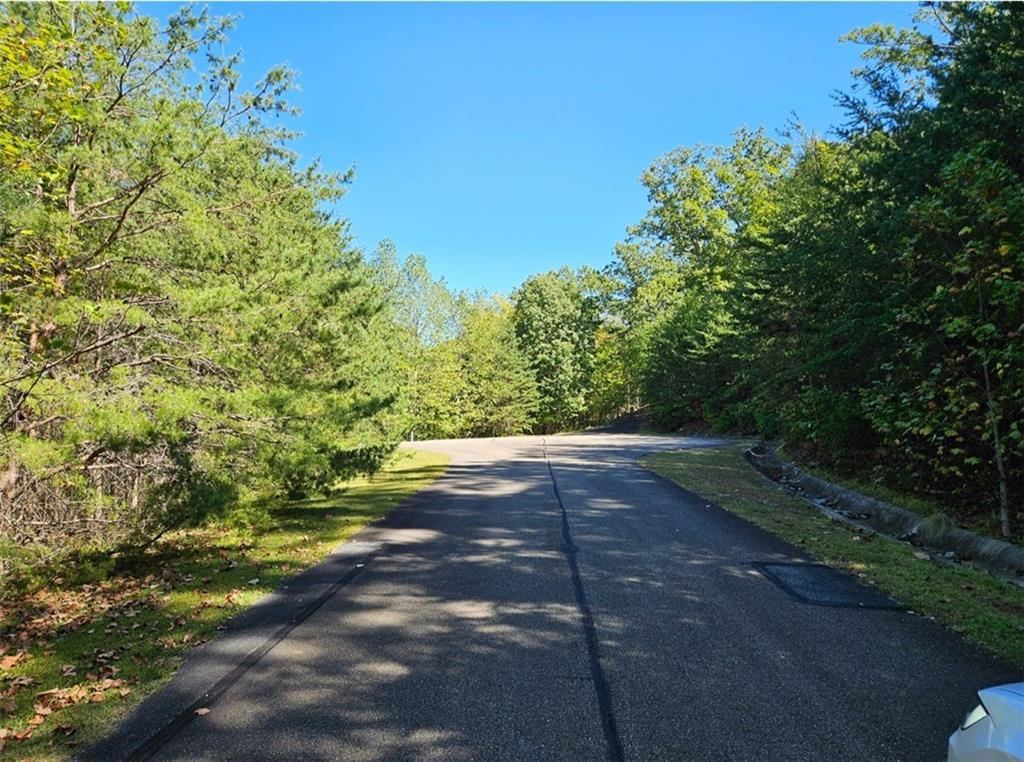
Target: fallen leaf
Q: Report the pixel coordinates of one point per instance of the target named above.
(12, 660)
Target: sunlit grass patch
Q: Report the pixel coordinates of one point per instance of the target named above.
(75, 657)
(985, 610)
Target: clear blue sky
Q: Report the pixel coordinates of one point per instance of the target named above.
(500, 140)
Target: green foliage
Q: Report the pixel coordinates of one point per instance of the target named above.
(613, 390)
(951, 393)
(864, 297)
(500, 396)
(686, 267)
(183, 328)
(555, 322)
(459, 368)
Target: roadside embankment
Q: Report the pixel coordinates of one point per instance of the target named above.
(936, 534)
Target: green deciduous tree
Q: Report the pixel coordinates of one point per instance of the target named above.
(688, 263)
(554, 322)
(500, 396)
(458, 367)
(953, 171)
(861, 297)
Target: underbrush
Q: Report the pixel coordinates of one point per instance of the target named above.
(865, 473)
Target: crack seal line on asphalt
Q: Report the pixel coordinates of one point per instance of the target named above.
(613, 745)
(180, 721)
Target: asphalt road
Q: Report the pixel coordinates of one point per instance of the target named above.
(551, 600)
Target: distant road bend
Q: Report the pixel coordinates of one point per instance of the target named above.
(549, 599)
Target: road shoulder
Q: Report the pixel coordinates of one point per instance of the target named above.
(986, 611)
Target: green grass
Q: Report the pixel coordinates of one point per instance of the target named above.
(985, 610)
(876, 482)
(104, 646)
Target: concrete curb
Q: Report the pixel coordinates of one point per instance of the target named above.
(1000, 558)
(244, 637)
(210, 669)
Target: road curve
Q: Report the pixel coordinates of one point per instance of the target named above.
(548, 599)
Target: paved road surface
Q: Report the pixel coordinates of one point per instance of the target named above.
(551, 600)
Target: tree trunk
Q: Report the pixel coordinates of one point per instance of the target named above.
(993, 416)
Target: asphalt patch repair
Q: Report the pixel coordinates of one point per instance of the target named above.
(821, 585)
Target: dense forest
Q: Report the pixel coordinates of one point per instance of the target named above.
(187, 330)
(861, 296)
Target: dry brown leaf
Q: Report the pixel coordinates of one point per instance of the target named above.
(10, 661)
(58, 698)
